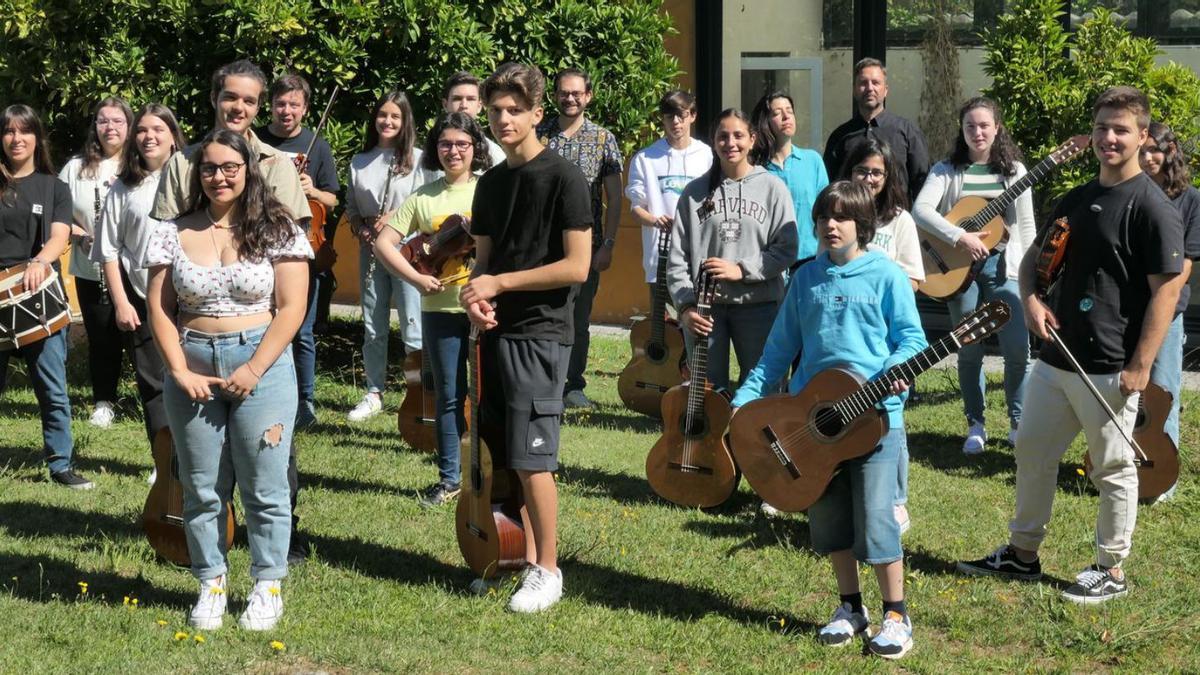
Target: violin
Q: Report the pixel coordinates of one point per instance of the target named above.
(429, 252)
(325, 256)
(1052, 256)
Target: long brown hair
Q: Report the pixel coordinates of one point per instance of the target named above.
(134, 169)
(1003, 156)
(407, 137)
(93, 151)
(1177, 177)
(714, 172)
(894, 196)
(26, 119)
(263, 222)
(766, 143)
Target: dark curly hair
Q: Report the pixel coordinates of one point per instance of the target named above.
(263, 223)
(847, 200)
(765, 141)
(1004, 154)
(894, 196)
(1176, 176)
(481, 159)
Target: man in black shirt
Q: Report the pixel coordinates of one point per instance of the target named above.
(1112, 306)
(872, 119)
(532, 221)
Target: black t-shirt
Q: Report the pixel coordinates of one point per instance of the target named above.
(1119, 236)
(1188, 203)
(29, 203)
(321, 167)
(525, 212)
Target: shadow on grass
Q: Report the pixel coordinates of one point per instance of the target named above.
(40, 578)
(941, 452)
(383, 562)
(755, 530)
(613, 418)
(619, 486)
(43, 520)
(928, 563)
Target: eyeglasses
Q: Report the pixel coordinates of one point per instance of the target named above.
(447, 146)
(682, 117)
(114, 122)
(571, 94)
(230, 169)
(863, 172)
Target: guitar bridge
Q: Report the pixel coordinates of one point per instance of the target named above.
(174, 520)
(650, 385)
(689, 468)
(935, 257)
(780, 455)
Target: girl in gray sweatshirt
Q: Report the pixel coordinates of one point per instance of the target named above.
(738, 224)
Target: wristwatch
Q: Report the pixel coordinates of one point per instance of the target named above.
(610, 243)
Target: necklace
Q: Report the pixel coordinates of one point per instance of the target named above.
(215, 222)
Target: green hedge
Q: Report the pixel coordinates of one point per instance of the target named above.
(63, 55)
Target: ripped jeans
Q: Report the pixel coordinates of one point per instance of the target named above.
(222, 441)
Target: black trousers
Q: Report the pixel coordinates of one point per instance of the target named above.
(105, 344)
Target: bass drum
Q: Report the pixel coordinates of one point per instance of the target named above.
(27, 317)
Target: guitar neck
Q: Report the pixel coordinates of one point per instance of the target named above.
(474, 386)
(1000, 204)
(871, 393)
(698, 364)
(659, 305)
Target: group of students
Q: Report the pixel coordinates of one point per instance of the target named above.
(206, 264)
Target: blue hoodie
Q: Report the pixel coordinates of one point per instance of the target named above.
(861, 315)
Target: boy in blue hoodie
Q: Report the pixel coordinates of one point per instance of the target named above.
(851, 308)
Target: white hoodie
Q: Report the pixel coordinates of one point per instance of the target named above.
(657, 176)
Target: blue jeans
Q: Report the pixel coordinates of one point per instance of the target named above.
(304, 345)
(902, 472)
(747, 327)
(379, 293)
(223, 440)
(46, 361)
(446, 343)
(1168, 371)
(993, 284)
(855, 512)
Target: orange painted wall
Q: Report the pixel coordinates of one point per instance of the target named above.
(622, 287)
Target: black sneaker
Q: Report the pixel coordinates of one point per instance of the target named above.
(577, 400)
(439, 494)
(298, 548)
(72, 480)
(1003, 563)
(1095, 585)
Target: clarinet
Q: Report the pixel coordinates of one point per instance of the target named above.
(104, 300)
(387, 191)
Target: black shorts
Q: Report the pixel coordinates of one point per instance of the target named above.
(521, 407)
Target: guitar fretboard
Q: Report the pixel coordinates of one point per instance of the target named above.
(1000, 204)
(871, 393)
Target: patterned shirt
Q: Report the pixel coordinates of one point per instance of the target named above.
(594, 150)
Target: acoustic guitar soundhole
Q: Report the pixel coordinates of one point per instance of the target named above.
(697, 427)
(828, 421)
(656, 352)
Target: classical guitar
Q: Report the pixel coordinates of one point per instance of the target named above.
(162, 515)
(658, 348)
(790, 445)
(488, 520)
(417, 417)
(948, 269)
(1158, 470)
(690, 464)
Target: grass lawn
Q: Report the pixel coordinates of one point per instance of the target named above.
(649, 586)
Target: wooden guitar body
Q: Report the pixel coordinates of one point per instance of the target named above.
(690, 464)
(416, 418)
(949, 270)
(162, 515)
(653, 369)
(1157, 475)
(491, 534)
(790, 446)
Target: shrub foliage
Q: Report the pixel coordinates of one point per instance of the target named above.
(63, 55)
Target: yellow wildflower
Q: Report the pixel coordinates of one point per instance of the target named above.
(180, 635)
(199, 639)
(277, 645)
(161, 622)
(274, 590)
(1079, 471)
(82, 587)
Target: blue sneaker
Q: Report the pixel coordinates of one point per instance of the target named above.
(844, 627)
(894, 638)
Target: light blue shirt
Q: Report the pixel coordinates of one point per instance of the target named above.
(804, 174)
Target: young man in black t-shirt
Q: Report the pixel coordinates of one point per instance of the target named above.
(290, 96)
(531, 219)
(1112, 307)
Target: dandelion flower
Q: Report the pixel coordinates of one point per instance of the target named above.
(277, 645)
(83, 587)
(1079, 471)
(199, 639)
(161, 622)
(180, 635)
(274, 590)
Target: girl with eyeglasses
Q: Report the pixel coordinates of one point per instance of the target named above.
(227, 291)
(457, 147)
(984, 163)
(90, 175)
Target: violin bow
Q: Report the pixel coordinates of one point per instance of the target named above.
(1144, 461)
(324, 118)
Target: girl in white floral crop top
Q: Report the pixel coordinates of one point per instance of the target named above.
(227, 292)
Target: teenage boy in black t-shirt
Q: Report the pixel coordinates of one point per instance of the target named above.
(531, 219)
(1112, 307)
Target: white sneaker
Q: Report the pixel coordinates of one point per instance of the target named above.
(209, 610)
(539, 589)
(370, 405)
(103, 415)
(153, 476)
(263, 607)
(976, 439)
(770, 511)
